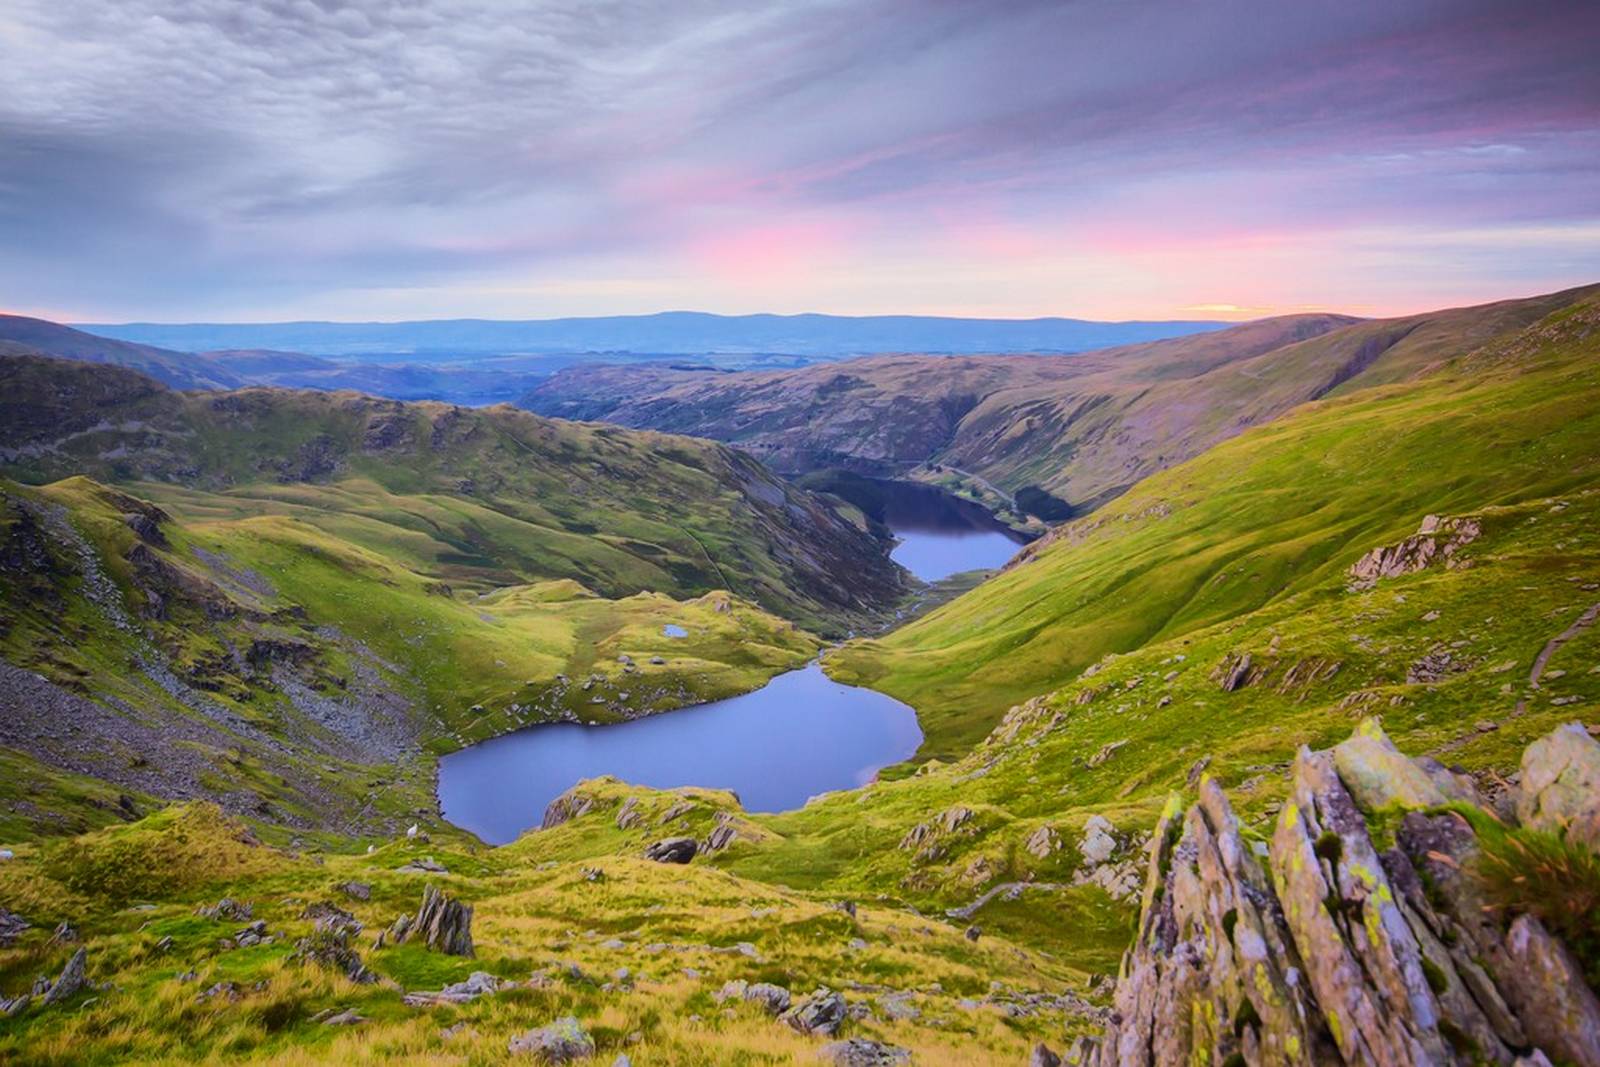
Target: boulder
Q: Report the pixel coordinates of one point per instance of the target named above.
(563, 1041)
(672, 850)
(823, 1012)
(774, 998)
(859, 1052)
(723, 834)
(1560, 786)
(72, 979)
(1099, 843)
(1379, 776)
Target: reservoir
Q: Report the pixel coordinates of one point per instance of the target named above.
(941, 534)
(799, 735)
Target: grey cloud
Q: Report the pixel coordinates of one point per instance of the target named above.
(226, 146)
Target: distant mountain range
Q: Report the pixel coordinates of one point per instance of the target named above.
(668, 333)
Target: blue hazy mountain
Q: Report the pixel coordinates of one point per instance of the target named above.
(667, 333)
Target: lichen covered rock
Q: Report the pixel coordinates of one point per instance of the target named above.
(1325, 946)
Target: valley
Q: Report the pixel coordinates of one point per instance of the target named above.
(278, 612)
(799, 534)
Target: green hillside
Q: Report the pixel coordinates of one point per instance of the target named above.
(1421, 554)
(291, 602)
(1469, 641)
(1277, 511)
(473, 497)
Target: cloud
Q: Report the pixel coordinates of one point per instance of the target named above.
(210, 158)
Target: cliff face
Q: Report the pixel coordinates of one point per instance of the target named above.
(1394, 917)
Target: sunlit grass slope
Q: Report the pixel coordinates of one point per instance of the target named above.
(1280, 510)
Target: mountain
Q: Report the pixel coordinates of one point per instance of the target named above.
(267, 597)
(1165, 824)
(1253, 522)
(1070, 432)
(890, 415)
(20, 335)
(621, 511)
(667, 333)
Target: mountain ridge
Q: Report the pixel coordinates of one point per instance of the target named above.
(674, 332)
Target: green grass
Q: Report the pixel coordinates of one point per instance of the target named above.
(1279, 511)
(1243, 550)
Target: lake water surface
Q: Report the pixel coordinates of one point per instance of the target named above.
(800, 735)
(941, 534)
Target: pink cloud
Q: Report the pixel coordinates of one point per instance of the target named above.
(777, 251)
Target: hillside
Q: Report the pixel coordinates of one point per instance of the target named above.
(329, 577)
(1080, 429)
(481, 496)
(20, 335)
(1358, 558)
(1253, 521)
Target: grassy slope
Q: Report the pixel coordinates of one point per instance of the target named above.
(1257, 519)
(1273, 519)
(475, 497)
(334, 570)
(1531, 573)
(463, 665)
(1086, 439)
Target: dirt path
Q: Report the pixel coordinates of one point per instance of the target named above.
(1551, 647)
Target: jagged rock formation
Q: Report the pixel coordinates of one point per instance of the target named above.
(11, 927)
(1437, 538)
(443, 924)
(73, 978)
(1362, 932)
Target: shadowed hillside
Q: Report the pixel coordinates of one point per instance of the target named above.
(20, 335)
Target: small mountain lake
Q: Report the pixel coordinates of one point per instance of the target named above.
(941, 534)
(799, 735)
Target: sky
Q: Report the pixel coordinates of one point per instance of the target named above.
(244, 160)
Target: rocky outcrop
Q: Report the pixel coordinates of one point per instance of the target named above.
(859, 1052)
(73, 979)
(672, 850)
(1330, 944)
(566, 807)
(1436, 539)
(823, 1012)
(443, 924)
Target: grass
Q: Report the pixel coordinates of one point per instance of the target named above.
(1277, 512)
(1082, 683)
(1535, 872)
